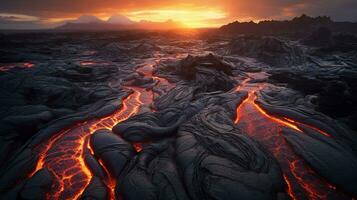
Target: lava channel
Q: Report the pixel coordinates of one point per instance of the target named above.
(21, 65)
(302, 182)
(63, 154)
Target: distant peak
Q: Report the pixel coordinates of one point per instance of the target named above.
(87, 19)
(305, 17)
(120, 19)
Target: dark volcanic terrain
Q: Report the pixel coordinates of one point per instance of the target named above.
(158, 115)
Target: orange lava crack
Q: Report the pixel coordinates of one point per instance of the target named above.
(290, 188)
(63, 154)
(253, 120)
(21, 65)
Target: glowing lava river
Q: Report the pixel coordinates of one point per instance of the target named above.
(64, 154)
(302, 182)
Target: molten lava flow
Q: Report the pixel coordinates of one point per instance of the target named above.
(111, 182)
(309, 126)
(242, 84)
(86, 63)
(138, 147)
(290, 189)
(28, 65)
(21, 65)
(302, 182)
(63, 154)
(148, 71)
(277, 120)
(239, 108)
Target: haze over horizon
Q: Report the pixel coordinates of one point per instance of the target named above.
(37, 14)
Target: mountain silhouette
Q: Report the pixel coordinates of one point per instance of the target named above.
(298, 25)
(116, 22)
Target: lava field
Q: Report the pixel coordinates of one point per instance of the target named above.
(128, 116)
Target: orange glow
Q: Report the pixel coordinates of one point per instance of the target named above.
(302, 182)
(312, 190)
(251, 100)
(290, 189)
(138, 147)
(239, 87)
(190, 17)
(63, 154)
(279, 121)
(239, 108)
(85, 63)
(309, 126)
(28, 65)
(111, 183)
(20, 65)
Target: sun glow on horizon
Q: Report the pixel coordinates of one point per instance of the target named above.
(190, 18)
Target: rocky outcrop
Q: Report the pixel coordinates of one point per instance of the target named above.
(322, 38)
(219, 162)
(327, 157)
(270, 50)
(112, 150)
(95, 190)
(38, 186)
(130, 116)
(208, 73)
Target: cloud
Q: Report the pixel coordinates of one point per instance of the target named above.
(52, 10)
(12, 23)
(18, 17)
(252, 8)
(341, 10)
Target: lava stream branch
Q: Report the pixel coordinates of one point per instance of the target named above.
(63, 154)
(302, 182)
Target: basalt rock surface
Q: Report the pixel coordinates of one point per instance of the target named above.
(208, 73)
(220, 162)
(146, 116)
(271, 50)
(112, 150)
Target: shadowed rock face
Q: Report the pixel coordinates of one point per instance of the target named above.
(327, 156)
(144, 116)
(208, 73)
(324, 40)
(95, 190)
(333, 88)
(112, 150)
(270, 50)
(189, 66)
(219, 162)
(38, 185)
(215, 159)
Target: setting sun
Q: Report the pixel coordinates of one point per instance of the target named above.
(178, 99)
(191, 18)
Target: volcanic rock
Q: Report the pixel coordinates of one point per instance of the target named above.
(270, 50)
(180, 96)
(112, 150)
(188, 66)
(208, 146)
(322, 38)
(153, 175)
(335, 99)
(327, 157)
(38, 186)
(208, 73)
(179, 114)
(96, 190)
(149, 126)
(298, 81)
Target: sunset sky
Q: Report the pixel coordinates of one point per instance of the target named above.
(29, 14)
